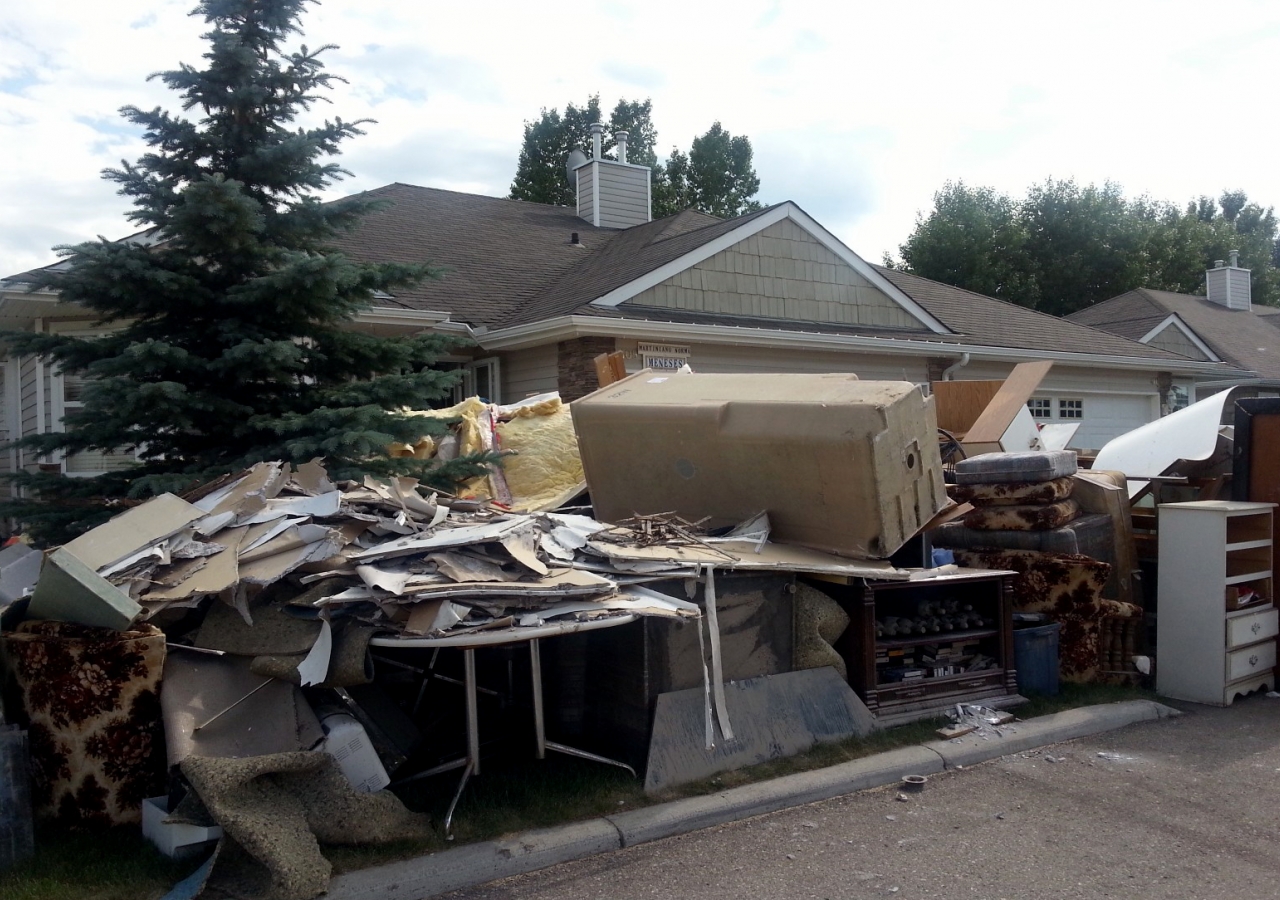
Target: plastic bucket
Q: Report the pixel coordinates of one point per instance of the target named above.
(1035, 653)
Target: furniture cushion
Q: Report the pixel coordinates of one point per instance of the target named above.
(1012, 493)
(1032, 465)
(1023, 518)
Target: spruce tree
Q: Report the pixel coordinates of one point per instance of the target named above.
(228, 318)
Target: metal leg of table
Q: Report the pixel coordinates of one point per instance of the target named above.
(470, 764)
(539, 723)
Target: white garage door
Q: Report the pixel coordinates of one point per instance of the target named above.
(1103, 416)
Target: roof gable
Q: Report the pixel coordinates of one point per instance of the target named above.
(1239, 337)
(808, 239)
(1174, 336)
(780, 272)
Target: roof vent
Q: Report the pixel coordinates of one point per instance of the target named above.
(1229, 285)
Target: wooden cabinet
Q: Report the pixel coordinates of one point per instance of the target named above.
(912, 676)
(1217, 622)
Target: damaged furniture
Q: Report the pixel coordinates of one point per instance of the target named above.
(915, 648)
(1216, 632)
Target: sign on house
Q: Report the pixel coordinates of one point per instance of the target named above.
(662, 356)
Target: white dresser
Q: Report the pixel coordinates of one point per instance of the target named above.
(1214, 555)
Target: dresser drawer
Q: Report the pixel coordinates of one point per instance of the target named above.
(1249, 661)
(1252, 628)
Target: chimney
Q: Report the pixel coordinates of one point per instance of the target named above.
(1229, 285)
(613, 193)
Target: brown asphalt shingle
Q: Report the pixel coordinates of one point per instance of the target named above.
(1241, 337)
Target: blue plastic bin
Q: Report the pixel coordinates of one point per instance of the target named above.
(1035, 653)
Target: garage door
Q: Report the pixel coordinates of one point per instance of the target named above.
(1104, 416)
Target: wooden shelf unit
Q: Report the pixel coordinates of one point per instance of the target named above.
(988, 592)
(1208, 650)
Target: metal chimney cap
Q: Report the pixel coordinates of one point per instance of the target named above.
(621, 138)
(1235, 258)
(1217, 264)
(597, 128)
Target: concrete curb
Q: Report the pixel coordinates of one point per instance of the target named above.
(475, 864)
(1063, 726)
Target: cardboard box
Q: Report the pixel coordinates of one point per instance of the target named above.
(841, 465)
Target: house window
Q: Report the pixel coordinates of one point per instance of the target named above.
(90, 462)
(1041, 407)
(1070, 409)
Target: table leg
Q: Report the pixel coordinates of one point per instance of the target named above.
(473, 720)
(539, 725)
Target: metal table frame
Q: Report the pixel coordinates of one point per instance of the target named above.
(469, 643)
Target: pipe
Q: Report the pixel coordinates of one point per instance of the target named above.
(958, 364)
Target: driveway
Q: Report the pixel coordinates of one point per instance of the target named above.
(1183, 809)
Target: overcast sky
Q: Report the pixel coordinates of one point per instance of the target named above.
(857, 111)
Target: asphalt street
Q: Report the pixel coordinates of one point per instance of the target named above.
(1184, 809)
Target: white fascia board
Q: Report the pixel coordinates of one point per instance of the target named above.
(566, 328)
(787, 210)
(1175, 322)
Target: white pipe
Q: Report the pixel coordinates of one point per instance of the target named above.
(957, 365)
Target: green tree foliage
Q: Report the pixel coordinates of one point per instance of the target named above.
(1064, 247)
(716, 175)
(229, 341)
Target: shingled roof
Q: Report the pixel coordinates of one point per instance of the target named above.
(1241, 337)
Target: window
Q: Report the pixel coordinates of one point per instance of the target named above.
(1041, 407)
(91, 462)
(1070, 409)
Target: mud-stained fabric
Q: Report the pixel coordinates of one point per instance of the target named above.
(92, 699)
(1069, 589)
(1023, 518)
(1013, 493)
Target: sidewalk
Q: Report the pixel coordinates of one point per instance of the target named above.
(475, 864)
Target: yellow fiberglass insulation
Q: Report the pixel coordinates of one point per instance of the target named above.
(545, 470)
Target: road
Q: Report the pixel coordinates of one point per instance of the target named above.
(1182, 809)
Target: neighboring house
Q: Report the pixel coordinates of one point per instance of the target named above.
(1223, 325)
(543, 290)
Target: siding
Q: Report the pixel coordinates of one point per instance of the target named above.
(528, 372)
(30, 417)
(1172, 339)
(586, 192)
(780, 273)
(624, 195)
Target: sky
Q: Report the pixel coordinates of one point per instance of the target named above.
(857, 111)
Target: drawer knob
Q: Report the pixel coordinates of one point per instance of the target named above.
(1253, 660)
(1256, 627)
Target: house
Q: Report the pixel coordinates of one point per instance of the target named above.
(1222, 325)
(542, 290)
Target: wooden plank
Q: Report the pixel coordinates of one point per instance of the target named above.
(1105, 493)
(959, 403)
(1013, 395)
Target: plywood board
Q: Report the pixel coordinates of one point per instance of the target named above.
(959, 403)
(1012, 397)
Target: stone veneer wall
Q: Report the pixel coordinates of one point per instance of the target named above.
(576, 368)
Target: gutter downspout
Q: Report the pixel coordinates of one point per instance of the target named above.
(956, 366)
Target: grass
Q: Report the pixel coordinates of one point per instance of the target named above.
(512, 796)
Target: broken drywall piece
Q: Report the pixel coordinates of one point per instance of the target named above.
(220, 572)
(70, 591)
(320, 506)
(462, 566)
(391, 580)
(452, 537)
(312, 478)
(248, 494)
(523, 547)
(133, 530)
(264, 570)
(315, 668)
